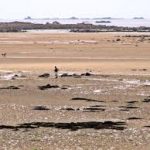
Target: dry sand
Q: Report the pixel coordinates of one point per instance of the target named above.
(107, 110)
(99, 52)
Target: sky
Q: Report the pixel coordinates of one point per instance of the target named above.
(18, 9)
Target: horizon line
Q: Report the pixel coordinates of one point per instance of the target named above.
(74, 17)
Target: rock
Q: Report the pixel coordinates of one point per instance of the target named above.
(128, 107)
(93, 109)
(65, 75)
(48, 86)
(124, 110)
(134, 118)
(40, 108)
(70, 75)
(68, 109)
(147, 100)
(45, 75)
(143, 69)
(64, 87)
(10, 87)
(131, 102)
(85, 99)
(118, 40)
(86, 74)
(76, 75)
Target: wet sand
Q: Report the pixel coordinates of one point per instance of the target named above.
(109, 109)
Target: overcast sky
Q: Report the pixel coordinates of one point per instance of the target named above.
(17, 9)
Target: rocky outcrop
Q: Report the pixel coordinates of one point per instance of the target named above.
(79, 27)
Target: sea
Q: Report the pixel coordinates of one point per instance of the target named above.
(96, 21)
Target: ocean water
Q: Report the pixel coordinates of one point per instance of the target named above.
(113, 22)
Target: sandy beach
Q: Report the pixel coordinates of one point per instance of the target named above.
(100, 100)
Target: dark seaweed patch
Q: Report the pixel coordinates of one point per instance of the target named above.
(40, 108)
(86, 99)
(73, 126)
(134, 118)
(10, 88)
(48, 86)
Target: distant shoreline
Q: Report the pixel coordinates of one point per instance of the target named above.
(79, 27)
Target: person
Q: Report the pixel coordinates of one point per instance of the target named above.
(4, 54)
(56, 72)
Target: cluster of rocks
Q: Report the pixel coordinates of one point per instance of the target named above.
(48, 86)
(104, 28)
(75, 75)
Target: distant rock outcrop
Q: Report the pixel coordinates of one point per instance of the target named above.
(28, 18)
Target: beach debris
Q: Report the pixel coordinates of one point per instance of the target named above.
(97, 91)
